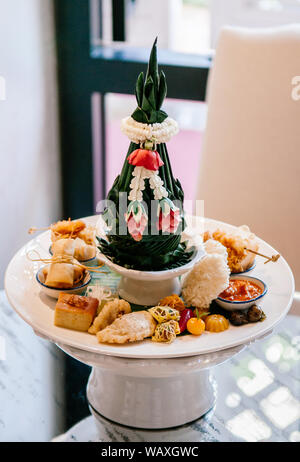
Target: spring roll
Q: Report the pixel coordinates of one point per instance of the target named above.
(63, 247)
(60, 275)
(83, 251)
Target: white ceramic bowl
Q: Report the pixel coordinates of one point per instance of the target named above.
(89, 262)
(241, 305)
(54, 293)
(148, 287)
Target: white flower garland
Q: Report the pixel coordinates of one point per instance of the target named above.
(157, 185)
(137, 185)
(159, 132)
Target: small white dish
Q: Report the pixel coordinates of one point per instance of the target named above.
(230, 305)
(146, 288)
(89, 262)
(54, 293)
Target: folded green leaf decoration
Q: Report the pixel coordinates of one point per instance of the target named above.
(156, 250)
(150, 93)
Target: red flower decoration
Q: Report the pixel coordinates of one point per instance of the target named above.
(136, 229)
(144, 158)
(169, 223)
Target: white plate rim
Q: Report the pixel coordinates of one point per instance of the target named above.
(56, 334)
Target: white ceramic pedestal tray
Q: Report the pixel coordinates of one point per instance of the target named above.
(36, 308)
(125, 374)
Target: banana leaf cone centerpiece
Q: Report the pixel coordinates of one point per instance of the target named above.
(143, 213)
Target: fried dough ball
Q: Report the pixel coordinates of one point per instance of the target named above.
(173, 301)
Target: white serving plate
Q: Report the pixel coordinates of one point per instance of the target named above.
(37, 309)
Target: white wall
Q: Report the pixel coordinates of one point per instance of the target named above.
(29, 173)
(251, 13)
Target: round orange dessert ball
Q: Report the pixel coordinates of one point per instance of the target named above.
(195, 326)
(216, 323)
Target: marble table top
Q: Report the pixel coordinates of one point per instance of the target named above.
(258, 392)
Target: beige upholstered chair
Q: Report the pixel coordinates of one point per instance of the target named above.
(250, 162)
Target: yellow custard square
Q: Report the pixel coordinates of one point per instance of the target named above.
(75, 311)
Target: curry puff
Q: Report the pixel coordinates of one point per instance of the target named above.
(131, 327)
(112, 310)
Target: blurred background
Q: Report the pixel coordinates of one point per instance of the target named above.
(44, 43)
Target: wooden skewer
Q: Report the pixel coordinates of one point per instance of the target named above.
(34, 229)
(65, 259)
(274, 258)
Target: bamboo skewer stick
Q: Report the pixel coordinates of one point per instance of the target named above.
(34, 229)
(273, 258)
(65, 259)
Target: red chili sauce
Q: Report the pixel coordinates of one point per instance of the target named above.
(240, 290)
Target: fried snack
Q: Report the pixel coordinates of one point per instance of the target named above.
(216, 323)
(174, 301)
(239, 259)
(166, 332)
(83, 251)
(131, 327)
(164, 313)
(63, 275)
(59, 275)
(111, 311)
(63, 247)
(75, 311)
(66, 229)
(88, 235)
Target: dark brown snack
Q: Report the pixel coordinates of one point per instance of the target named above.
(254, 314)
(238, 318)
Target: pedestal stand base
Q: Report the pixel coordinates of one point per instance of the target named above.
(147, 293)
(151, 393)
(150, 403)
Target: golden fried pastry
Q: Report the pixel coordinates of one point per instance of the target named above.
(88, 235)
(59, 275)
(111, 311)
(66, 229)
(75, 311)
(63, 275)
(236, 242)
(131, 327)
(166, 332)
(164, 313)
(83, 251)
(63, 247)
(174, 301)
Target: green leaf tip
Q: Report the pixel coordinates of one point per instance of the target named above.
(150, 92)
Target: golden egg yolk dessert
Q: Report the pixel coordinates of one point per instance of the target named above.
(216, 323)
